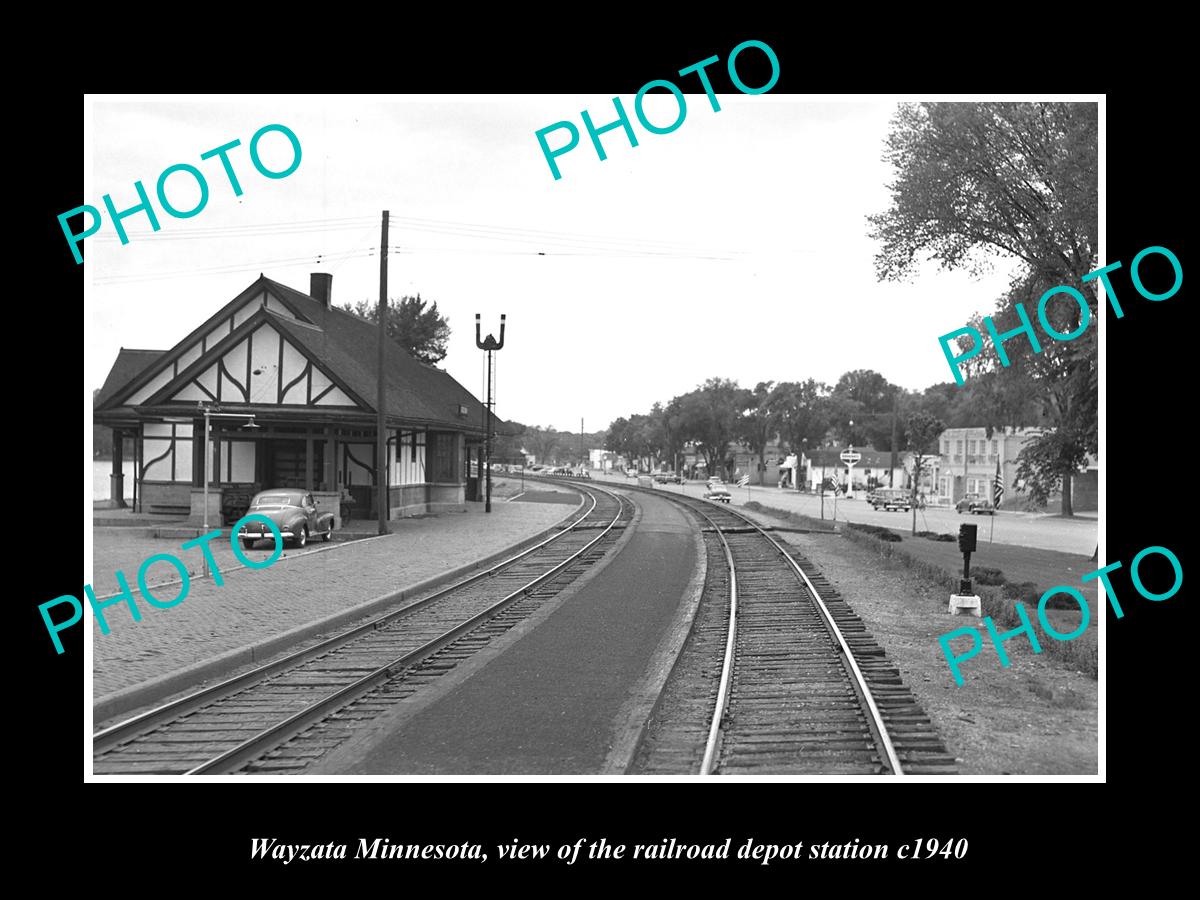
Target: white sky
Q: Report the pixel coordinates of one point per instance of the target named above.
(776, 187)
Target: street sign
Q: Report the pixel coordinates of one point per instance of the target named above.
(850, 457)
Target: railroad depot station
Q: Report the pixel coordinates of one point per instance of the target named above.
(289, 383)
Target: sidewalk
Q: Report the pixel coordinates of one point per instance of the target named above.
(257, 605)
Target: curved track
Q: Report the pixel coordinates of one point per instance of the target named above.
(279, 717)
(778, 674)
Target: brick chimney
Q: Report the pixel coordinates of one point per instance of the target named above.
(320, 287)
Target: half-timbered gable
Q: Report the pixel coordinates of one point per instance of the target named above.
(289, 383)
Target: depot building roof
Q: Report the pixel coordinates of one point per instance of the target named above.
(275, 350)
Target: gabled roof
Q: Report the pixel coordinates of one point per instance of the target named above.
(345, 344)
(129, 364)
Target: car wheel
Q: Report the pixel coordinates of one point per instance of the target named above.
(328, 535)
(302, 538)
(248, 543)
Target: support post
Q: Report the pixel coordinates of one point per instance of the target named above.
(116, 482)
(380, 395)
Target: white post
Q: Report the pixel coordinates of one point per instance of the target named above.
(207, 477)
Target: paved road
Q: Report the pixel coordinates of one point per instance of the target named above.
(1077, 536)
(551, 703)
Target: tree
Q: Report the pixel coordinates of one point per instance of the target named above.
(413, 324)
(543, 443)
(975, 180)
(760, 422)
(711, 416)
(508, 441)
(923, 432)
(804, 413)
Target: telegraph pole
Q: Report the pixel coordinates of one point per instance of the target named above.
(381, 393)
(581, 461)
(895, 408)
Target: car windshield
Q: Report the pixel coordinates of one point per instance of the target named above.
(267, 500)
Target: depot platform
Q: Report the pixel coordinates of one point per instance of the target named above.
(257, 614)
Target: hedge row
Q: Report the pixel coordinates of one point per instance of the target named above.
(997, 602)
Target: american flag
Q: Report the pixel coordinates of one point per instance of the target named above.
(743, 481)
(998, 487)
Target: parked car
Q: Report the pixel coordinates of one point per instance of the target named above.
(890, 499)
(719, 492)
(294, 513)
(975, 504)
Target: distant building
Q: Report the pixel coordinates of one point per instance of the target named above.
(969, 457)
(604, 460)
(745, 462)
(873, 470)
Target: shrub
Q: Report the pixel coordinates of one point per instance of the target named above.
(987, 575)
(997, 602)
(1031, 592)
(935, 536)
(884, 534)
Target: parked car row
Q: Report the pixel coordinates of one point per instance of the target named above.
(890, 499)
(975, 504)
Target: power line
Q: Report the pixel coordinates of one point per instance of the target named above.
(426, 225)
(228, 268)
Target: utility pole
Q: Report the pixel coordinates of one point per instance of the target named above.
(491, 345)
(581, 461)
(892, 470)
(380, 396)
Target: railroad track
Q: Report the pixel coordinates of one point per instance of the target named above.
(279, 717)
(779, 676)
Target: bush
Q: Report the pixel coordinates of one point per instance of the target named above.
(1026, 591)
(935, 536)
(997, 602)
(884, 534)
(1030, 592)
(986, 575)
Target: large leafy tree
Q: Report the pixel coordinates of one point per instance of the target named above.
(711, 417)
(413, 323)
(760, 422)
(544, 443)
(871, 402)
(803, 411)
(979, 180)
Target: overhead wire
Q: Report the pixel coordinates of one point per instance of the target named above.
(540, 242)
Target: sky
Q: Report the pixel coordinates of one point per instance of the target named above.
(736, 246)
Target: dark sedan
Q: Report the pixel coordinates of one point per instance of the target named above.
(294, 514)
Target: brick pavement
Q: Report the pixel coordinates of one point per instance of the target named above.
(256, 604)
